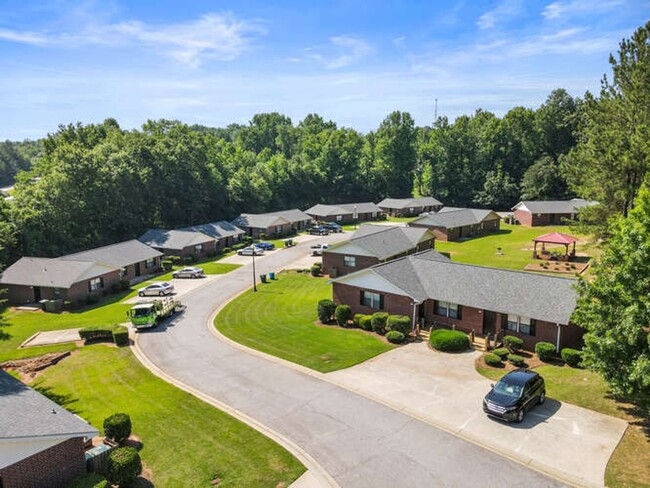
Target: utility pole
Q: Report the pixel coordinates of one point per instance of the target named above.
(254, 280)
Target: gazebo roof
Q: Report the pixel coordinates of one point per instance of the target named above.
(556, 238)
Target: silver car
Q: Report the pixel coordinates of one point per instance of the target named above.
(156, 289)
(191, 272)
(250, 251)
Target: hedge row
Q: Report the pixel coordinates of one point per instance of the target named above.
(118, 334)
(379, 322)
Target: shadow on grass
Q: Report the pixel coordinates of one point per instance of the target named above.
(637, 409)
(66, 401)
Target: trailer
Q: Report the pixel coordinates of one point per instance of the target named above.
(151, 313)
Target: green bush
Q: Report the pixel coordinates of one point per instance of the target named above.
(167, 264)
(89, 480)
(572, 357)
(516, 360)
(239, 246)
(545, 351)
(315, 270)
(326, 310)
(502, 352)
(449, 340)
(225, 250)
(176, 260)
(513, 343)
(356, 320)
(247, 240)
(121, 335)
(92, 299)
(399, 323)
(395, 336)
(97, 333)
(116, 287)
(492, 359)
(365, 322)
(124, 466)
(125, 285)
(343, 314)
(378, 322)
(117, 427)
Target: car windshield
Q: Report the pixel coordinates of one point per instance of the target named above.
(508, 389)
(141, 312)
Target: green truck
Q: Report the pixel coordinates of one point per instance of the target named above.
(150, 313)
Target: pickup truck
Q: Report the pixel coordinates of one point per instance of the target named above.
(317, 249)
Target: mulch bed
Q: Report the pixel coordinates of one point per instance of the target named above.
(561, 267)
(531, 361)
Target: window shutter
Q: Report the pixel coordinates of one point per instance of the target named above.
(381, 302)
(533, 323)
(435, 307)
(89, 288)
(101, 281)
(361, 297)
(460, 312)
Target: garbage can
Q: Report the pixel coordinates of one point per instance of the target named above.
(263, 278)
(272, 275)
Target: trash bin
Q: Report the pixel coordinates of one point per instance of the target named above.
(272, 275)
(263, 278)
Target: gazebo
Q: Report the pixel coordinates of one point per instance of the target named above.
(555, 238)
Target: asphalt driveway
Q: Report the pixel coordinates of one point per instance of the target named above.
(357, 441)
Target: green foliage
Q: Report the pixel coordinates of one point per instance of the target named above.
(545, 350)
(492, 359)
(395, 336)
(120, 335)
(356, 320)
(513, 343)
(449, 340)
(614, 308)
(97, 333)
(502, 352)
(343, 314)
(89, 480)
(516, 360)
(315, 270)
(124, 466)
(326, 309)
(167, 264)
(117, 427)
(379, 321)
(399, 323)
(92, 299)
(365, 322)
(572, 357)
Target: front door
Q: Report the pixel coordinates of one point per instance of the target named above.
(489, 322)
(137, 269)
(37, 294)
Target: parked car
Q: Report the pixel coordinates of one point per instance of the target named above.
(318, 230)
(332, 227)
(250, 251)
(156, 289)
(317, 249)
(264, 246)
(191, 272)
(514, 394)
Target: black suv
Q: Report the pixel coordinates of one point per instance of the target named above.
(318, 231)
(514, 394)
(332, 227)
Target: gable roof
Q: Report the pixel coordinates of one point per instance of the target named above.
(450, 218)
(292, 215)
(118, 255)
(382, 241)
(422, 277)
(173, 239)
(54, 273)
(402, 203)
(28, 414)
(265, 220)
(321, 210)
(553, 206)
(217, 230)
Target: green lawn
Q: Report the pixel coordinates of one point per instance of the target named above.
(399, 219)
(279, 320)
(185, 441)
(515, 241)
(629, 466)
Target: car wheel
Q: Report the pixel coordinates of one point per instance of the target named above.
(140, 294)
(542, 398)
(160, 294)
(520, 416)
(195, 276)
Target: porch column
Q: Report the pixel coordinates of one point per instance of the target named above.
(557, 343)
(415, 304)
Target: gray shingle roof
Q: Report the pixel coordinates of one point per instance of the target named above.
(384, 241)
(402, 203)
(118, 255)
(265, 220)
(54, 273)
(554, 206)
(321, 210)
(27, 413)
(541, 297)
(217, 230)
(293, 215)
(173, 239)
(456, 217)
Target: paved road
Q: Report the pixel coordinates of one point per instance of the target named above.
(359, 442)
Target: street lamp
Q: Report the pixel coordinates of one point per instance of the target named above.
(254, 280)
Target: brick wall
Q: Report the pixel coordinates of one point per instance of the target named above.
(335, 260)
(51, 468)
(523, 217)
(79, 291)
(351, 295)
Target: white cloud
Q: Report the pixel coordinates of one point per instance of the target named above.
(350, 50)
(213, 36)
(505, 10)
(560, 10)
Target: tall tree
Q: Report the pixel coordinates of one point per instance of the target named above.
(395, 154)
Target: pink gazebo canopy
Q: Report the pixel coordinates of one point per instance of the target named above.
(556, 238)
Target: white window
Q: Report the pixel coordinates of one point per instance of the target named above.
(522, 325)
(372, 300)
(411, 209)
(95, 284)
(122, 272)
(374, 214)
(278, 229)
(339, 218)
(350, 261)
(448, 309)
(150, 263)
(198, 248)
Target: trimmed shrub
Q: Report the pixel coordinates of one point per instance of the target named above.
(356, 320)
(167, 264)
(343, 314)
(246, 240)
(502, 352)
(365, 322)
(449, 340)
(399, 323)
(239, 246)
(492, 359)
(315, 270)
(125, 285)
(225, 250)
(326, 309)
(97, 333)
(121, 335)
(124, 466)
(116, 287)
(176, 260)
(117, 427)
(572, 357)
(92, 299)
(378, 322)
(513, 343)
(516, 360)
(395, 336)
(89, 480)
(545, 351)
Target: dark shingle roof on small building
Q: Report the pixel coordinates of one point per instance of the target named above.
(173, 239)
(322, 210)
(402, 203)
(451, 218)
(54, 273)
(554, 206)
(217, 230)
(118, 255)
(269, 219)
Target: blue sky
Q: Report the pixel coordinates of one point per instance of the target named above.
(216, 62)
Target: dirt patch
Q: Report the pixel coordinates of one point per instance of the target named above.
(30, 368)
(560, 267)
